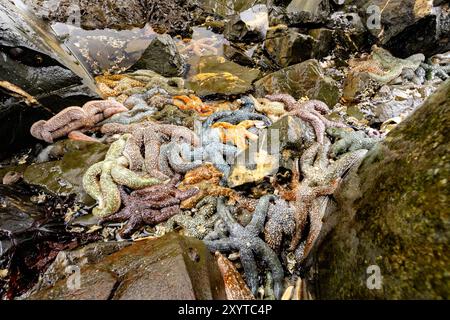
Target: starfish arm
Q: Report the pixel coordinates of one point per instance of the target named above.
(215, 117)
(134, 222)
(64, 118)
(250, 268)
(130, 179)
(316, 122)
(256, 225)
(220, 245)
(177, 163)
(66, 129)
(308, 158)
(120, 216)
(269, 257)
(132, 152)
(316, 215)
(110, 194)
(338, 168)
(166, 213)
(91, 182)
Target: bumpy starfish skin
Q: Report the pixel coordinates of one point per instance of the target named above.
(235, 286)
(237, 134)
(75, 118)
(175, 158)
(100, 180)
(140, 107)
(193, 102)
(273, 109)
(200, 223)
(310, 111)
(115, 85)
(320, 179)
(140, 210)
(148, 136)
(348, 141)
(235, 117)
(280, 222)
(173, 86)
(246, 240)
(383, 67)
(207, 178)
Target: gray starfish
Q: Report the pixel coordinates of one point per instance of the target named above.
(250, 246)
(280, 222)
(139, 107)
(235, 117)
(175, 158)
(320, 179)
(200, 223)
(348, 141)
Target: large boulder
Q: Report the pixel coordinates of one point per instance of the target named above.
(391, 239)
(408, 26)
(171, 267)
(299, 80)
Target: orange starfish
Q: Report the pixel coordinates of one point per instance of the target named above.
(193, 102)
(237, 134)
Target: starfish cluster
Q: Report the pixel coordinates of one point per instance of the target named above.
(75, 118)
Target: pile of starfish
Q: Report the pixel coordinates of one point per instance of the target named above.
(163, 174)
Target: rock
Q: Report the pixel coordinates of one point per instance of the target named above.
(239, 54)
(63, 177)
(171, 267)
(248, 26)
(216, 75)
(287, 46)
(299, 80)
(394, 214)
(409, 26)
(162, 56)
(308, 11)
(171, 16)
(18, 215)
(89, 254)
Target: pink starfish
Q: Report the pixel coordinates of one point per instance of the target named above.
(311, 111)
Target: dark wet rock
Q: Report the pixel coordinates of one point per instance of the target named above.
(288, 46)
(300, 80)
(216, 75)
(171, 16)
(394, 214)
(225, 8)
(249, 25)
(18, 215)
(162, 56)
(171, 267)
(64, 177)
(86, 255)
(301, 12)
(350, 33)
(239, 54)
(410, 26)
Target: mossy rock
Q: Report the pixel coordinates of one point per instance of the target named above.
(64, 177)
(394, 214)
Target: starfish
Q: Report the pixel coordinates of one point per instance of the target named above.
(237, 134)
(151, 79)
(347, 141)
(320, 179)
(435, 70)
(149, 206)
(140, 107)
(273, 109)
(200, 223)
(148, 137)
(172, 159)
(171, 114)
(75, 118)
(100, 180)
(115, 85)
(311, 111)
(200, 47)
(250, 246)
(193, 102)
(235, 117)
(207, 178)
(235, 286)
(280, 222)
(383, 67)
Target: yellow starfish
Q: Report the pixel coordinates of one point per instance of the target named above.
(237, 134)
(193, 102)
(115, 85)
